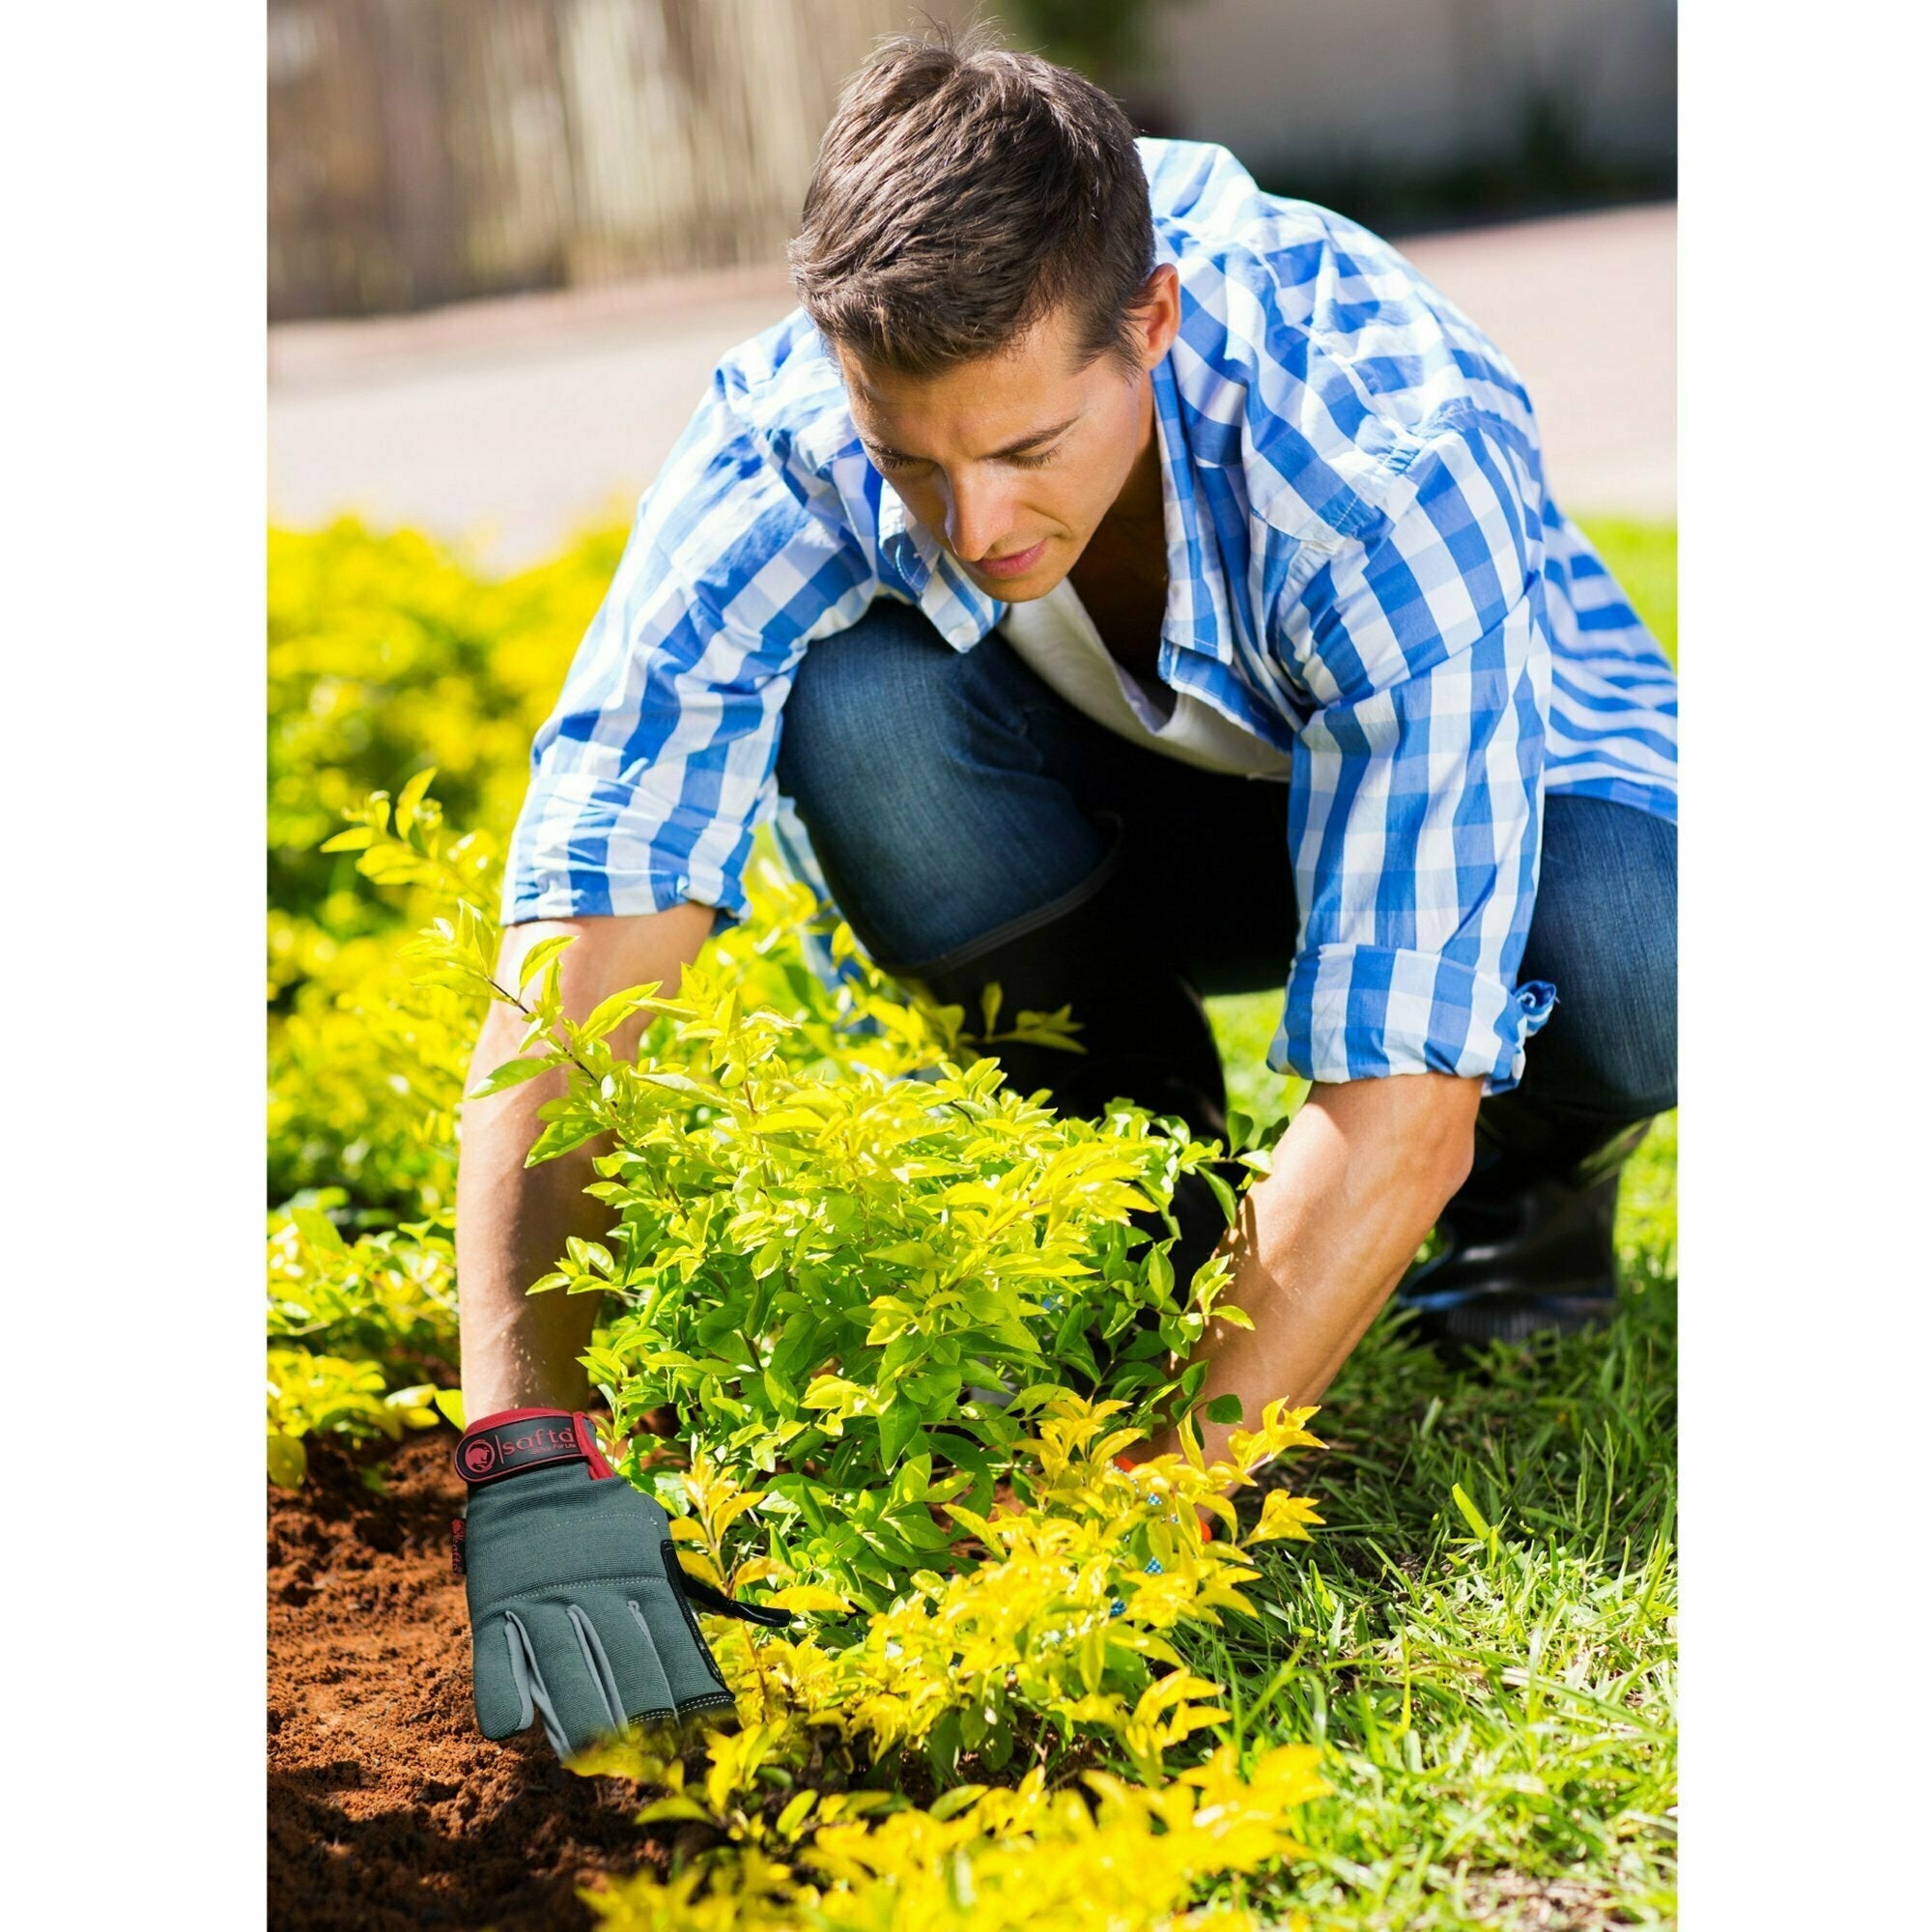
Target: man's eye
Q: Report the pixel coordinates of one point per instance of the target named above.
(1038, 461)
(890, 459)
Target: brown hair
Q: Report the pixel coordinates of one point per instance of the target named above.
(963, 192)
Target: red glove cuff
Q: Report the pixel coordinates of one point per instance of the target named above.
(516, 1440)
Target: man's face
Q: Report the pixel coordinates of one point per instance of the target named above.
(1011, 462)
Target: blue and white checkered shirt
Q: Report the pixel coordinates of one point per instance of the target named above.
(1364, 569)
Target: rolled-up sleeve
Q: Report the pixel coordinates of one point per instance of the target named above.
(1416, 804)
(650, 776)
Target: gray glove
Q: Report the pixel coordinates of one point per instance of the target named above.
(578, 1612)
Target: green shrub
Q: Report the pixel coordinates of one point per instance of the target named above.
(390, 1294)
(906, 1320)
(387, 655)
(312, 1393)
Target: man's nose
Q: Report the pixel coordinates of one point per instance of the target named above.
(977, 517)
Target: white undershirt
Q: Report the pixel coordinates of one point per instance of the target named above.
(1056, 638)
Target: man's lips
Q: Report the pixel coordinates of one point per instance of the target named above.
(1016, 565)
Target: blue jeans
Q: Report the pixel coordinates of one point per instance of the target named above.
(953, 798)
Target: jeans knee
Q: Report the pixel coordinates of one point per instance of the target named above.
(868, 709)
(1605, 932)
(937, 785)
(1613, 1052)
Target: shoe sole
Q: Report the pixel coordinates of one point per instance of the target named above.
(1461, 1326)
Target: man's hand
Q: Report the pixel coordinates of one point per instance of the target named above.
(512, 1221)
(1358, 1179)
(578, 1613)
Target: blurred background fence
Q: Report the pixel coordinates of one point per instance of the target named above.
(424, 152)
(429, 151)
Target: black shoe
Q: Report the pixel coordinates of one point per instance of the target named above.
(1529, 1238)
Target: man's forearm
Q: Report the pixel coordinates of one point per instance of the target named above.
(512, 1221)
(1358, 1179)
(519, 1351)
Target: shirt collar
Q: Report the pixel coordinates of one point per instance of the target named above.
(908, 546)
(953, 603)
(1197, 618)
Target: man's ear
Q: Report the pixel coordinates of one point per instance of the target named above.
(1156, 316)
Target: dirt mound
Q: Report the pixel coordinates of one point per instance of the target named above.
(386, 1809)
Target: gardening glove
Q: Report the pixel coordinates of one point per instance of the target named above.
(578, 1612)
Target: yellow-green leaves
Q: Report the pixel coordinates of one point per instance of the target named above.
(1283, 1515)
(1058, 1626)
(318, 1394)
(1111, 1856)
(345, 1321)
(288, 1459)
(387, 655)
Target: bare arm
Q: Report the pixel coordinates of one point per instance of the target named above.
(1358, 1179)
(512, 1222)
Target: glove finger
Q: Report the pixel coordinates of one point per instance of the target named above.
(637, 1674)
(570, 1678)
(597, 1661)
(503, 1705)
(696, 1684)
(532, 1687)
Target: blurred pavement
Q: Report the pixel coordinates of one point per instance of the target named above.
(513, 423)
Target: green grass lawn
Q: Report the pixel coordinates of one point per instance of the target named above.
(1494, 1679)
(1497, 1703)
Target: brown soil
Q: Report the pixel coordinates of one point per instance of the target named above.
(388, 1810)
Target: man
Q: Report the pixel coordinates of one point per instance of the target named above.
(1144, 587)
